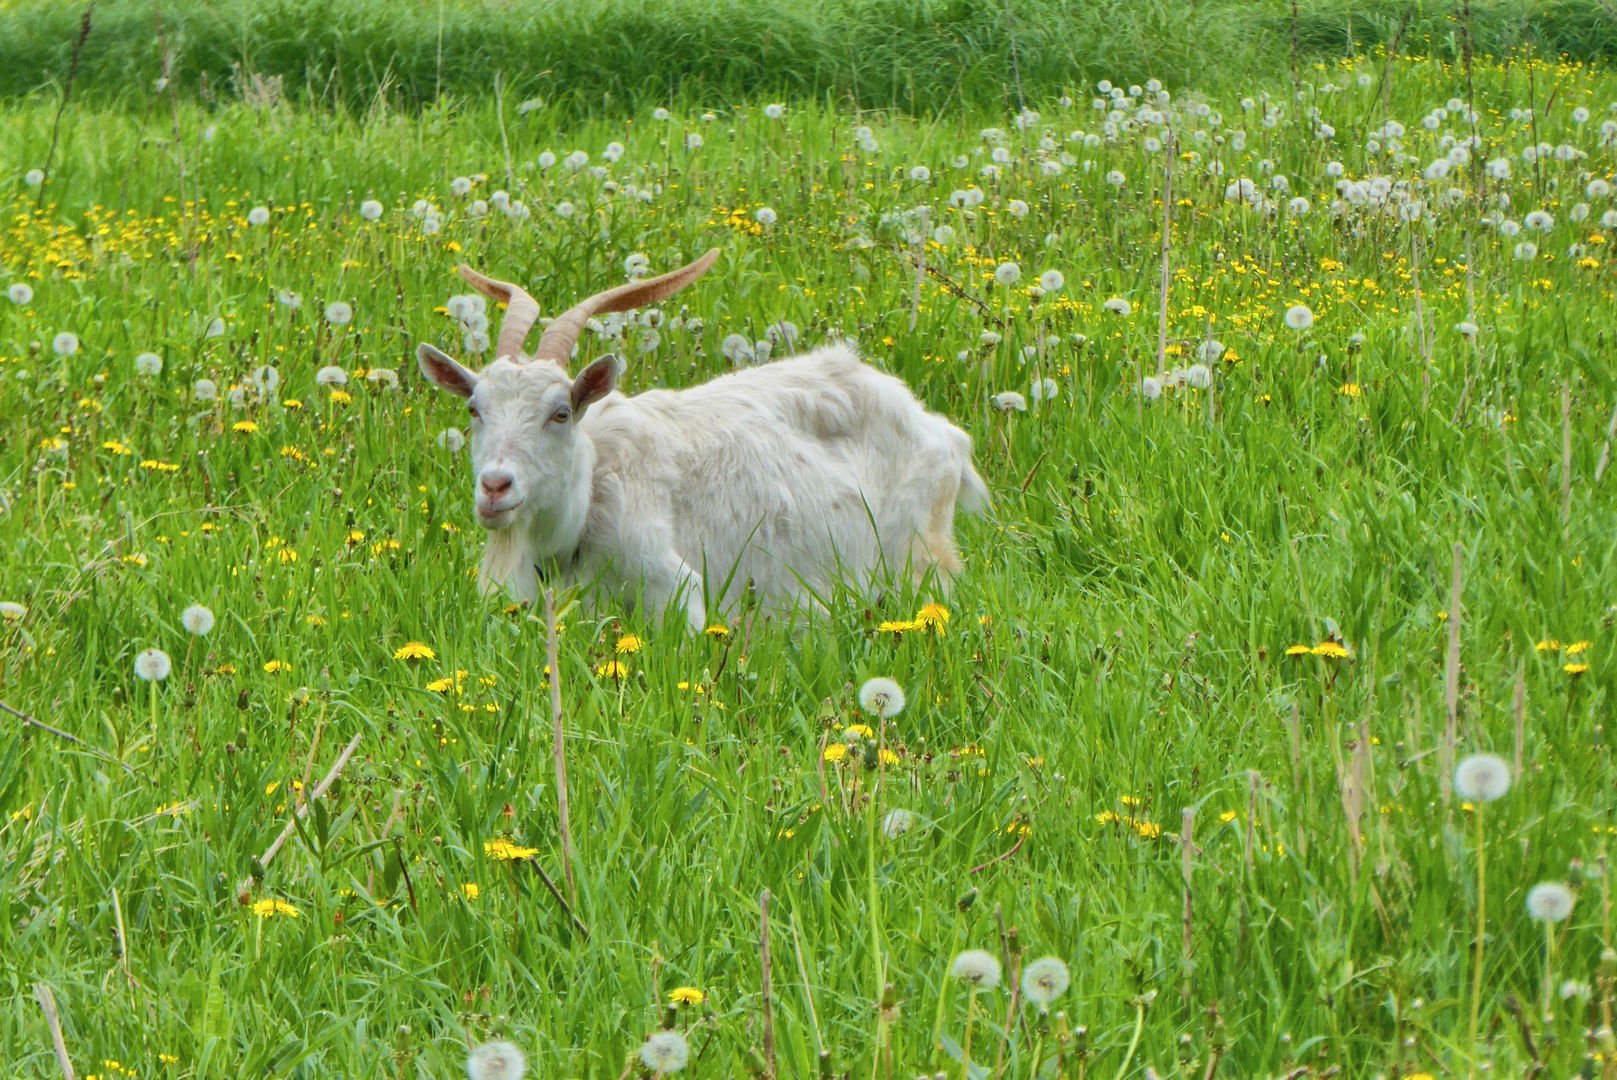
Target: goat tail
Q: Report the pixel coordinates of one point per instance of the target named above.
(973, 497)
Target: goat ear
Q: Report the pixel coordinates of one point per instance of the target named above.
(440, 369)
(596, 381)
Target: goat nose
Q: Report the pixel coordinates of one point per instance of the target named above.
(495, 483)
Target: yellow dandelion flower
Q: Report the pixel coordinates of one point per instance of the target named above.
(1147, 830)
(270, 906)
(1299, 650)
(1548, 645)
(686, 995)
(441, 686)
(888, 757)
(628, 645)
(340, 397)
(1335, 650)
(1574, 669)
(414, 650)
(470, 890)
(835, 752)
(503, 850)
(1108, 817)
(246, 427)
(1577, 648)
(612, 669)
(933, 617)
(858, 731)
(899, 626)
(1351, 389)
(275, 667)
(718, 631)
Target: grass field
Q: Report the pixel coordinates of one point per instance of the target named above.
(1270, 553)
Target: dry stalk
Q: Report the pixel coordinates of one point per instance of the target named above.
(765, 993)
(47, 1003)
(244, 890)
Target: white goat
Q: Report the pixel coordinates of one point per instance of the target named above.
(788, 475)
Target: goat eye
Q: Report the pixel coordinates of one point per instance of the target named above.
(561, 415)
(473, 410)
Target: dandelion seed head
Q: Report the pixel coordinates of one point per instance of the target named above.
(152, 665)
(331, 375)
(881, 696)
(370, 210)
(451, 439)
(1007, 273)
(665, 1052)
(197, 620)
(1051, 281)
(65, 343)
(1044, 980)
(1299, 317)
(205, 390)
(1009, 401)
(339, 313)
(11, 611)
(978, 967)
(1549, 901)
(20, 293)
(1482, 778)
(148, 363)
(898, 822)
(258, 215)
(496, 1061)
(1150, 388)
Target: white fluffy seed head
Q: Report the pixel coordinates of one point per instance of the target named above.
(152, 665)
(1044, 980)
(197, 619)
(1118, 306)
(882, 696)
(339, 313)
(1299, 317)
(148, 363)
(1549, 901)
(20, 293)
(65, 344)
(11, 611)
(898, 822)
(978, 967)
(205, 390)
(496, 1061)
(370, 210)
(1482, 778)
(665, 1052)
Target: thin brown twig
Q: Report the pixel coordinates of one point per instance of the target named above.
(1020, 840)
(94, 751)
(954, 288)
(243, 891)
(560, 899)
(766, 1002)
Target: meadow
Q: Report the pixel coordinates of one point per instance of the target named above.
(1296, 400)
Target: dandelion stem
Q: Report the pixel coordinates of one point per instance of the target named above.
(965, 1042)
(1476, 964)
(1549, 968)
(1134, 1042)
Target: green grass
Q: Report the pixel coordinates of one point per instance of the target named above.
(1117, 647)
(600, 59)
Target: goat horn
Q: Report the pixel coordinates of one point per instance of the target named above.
(556, 344)
(521, 311)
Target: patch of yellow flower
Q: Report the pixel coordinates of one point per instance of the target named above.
(414, 650)
(269, 906)
(686, 995)
(503, 850)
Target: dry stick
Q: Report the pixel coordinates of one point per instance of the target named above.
(47, 1002)
(1187, 860)
(559, 743)
(1566, 454)
(94, 751)
(1605, 450)
(1167, 246)
(578, 923)
(765, 984)
(243, 890)
(1451, 682)
(954, 288)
